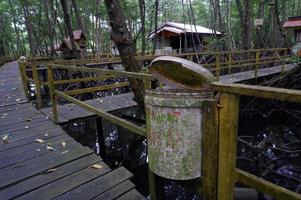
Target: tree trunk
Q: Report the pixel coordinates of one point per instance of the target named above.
(156, 25)
(245, 20)
(20, 49)
(69, 28)
(259, 39)
(124, 43)
(80, 23)
(142, 18)
(29, 27)
(50, 31)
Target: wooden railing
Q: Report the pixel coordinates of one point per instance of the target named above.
(228, 174)
(223, 63)
(5, 59)
(226, 123)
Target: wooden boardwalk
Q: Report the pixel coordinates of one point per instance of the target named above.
(69, 112)
(38, 160)
(247, 75)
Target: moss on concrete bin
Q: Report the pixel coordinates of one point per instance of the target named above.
(174, 117)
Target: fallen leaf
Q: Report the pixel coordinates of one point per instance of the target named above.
(5, 139)
(50, 148)
(65, 151)
(97, 166)
(39, 140)
(46, 134)
(63, 144)
(19, 99)
(51, 170)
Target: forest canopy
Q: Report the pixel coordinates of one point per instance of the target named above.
(32, 27)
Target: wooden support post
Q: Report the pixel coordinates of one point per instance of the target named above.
(52, 94)
(257, 57)
(229, 62)
(37, 84)
(22, 69)
(100, 138)
(152, 184)
(228, 122)
(217, 65)
(209, 150)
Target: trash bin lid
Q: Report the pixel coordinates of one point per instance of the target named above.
(178, 73)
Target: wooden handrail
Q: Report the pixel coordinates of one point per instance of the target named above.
(116, 120)
(228, 123)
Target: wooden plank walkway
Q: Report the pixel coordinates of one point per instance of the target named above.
(247, 75)
(69, 112)
(38, 160)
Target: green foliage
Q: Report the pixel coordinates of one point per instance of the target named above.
(15, 37)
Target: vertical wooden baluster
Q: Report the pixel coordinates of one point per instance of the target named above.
(229, 62)
(22, 69)
(209, 150)
(217, 65)
(52, 94)
(228, 122)
(257, 57)
(37, 84)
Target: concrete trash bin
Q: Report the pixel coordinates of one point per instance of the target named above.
(174, 132)
(174, 117)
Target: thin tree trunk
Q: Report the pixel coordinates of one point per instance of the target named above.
(124, 43)
(69, 28)
(29, 27)
(156, 25)
(258, 40)
(142, 18)
(245, 20)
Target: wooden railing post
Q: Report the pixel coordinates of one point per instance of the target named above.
(52, 94)
(152, 183)
(37, 84)
(228, 122)
(217, 65)
(229, 62)
(257, 57)
(209, 167)
(22, 69)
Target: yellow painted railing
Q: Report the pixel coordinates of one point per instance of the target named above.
(223, 63)
(228, 174)
(224, 149)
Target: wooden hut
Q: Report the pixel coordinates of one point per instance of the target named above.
(181, 38)
(80, 43)
(294, 23)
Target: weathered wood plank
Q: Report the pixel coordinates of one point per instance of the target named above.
(43, 179)
(133, 195)
(116, 191)
(27, 152)
(37, 165)
(66, 184)
(98, 185)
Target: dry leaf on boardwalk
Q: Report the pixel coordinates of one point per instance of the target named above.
(97, 166)
(63, 144)
(39, 140)
(51, 170)
(5, 139)
(50, 148)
